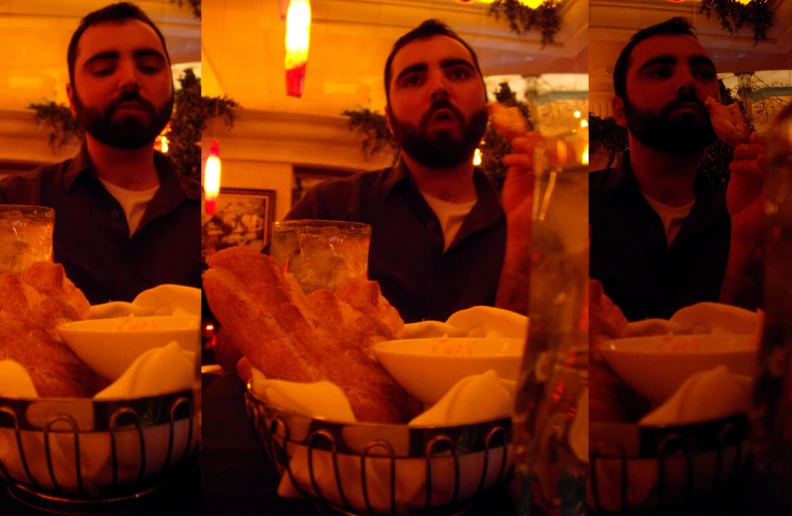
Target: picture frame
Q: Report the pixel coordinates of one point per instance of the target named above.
(243, 216)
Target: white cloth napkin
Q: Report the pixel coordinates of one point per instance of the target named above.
(478, 321)
(701, 318)
(158, 371)
(161, 300)
(155, 372)
(473, 399)
(704, 396)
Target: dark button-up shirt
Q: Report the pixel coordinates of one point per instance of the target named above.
(629, 253)
(91, 237)
(406, 254)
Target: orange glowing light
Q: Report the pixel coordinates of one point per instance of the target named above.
(298, 36)
(212, 177)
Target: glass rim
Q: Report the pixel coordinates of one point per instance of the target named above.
(322, 223)
(26, 209)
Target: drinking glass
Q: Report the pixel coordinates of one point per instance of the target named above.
(322, 254)
(25, 236)
(772, 410)
(551, 408)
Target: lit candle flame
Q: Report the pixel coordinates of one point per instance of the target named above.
(585, 157)
(477, 158)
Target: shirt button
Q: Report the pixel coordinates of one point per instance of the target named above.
(115, 214)
(430, 225)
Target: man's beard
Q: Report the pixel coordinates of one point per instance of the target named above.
(685, 133)
(442, 150)
(129, 132)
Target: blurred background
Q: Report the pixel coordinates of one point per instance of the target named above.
(753, 62)
(281, 145)
(34, 74)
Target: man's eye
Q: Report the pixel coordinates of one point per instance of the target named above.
(459, 73)
(660, 73)
(103, 72)
(705, 74)
(413, 80)
(150, 65)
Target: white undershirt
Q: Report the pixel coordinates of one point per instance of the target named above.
(133, 202)
(672, 217)
(450, 214)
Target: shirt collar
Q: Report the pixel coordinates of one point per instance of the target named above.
(623, 174)
(170, 183)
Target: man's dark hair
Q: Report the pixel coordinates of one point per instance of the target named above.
(675, 26)
(426, 30)
(114, 13)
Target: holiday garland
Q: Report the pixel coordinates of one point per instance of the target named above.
(733, 15)
(522, 19)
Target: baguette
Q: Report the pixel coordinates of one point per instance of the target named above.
(289, 336)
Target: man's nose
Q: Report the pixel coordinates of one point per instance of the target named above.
(439, 88)
(686, 82)
(128, 76)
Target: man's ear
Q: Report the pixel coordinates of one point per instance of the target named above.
(70, 94)
(388, 119)
(617, 104)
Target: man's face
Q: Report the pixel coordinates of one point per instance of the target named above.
(123, 92)
(668, 79)
(437, 106)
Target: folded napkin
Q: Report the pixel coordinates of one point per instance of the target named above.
(704, 396)
(156, 372)
(481, 397)
(478, 321)
(700, 318)
(321, 399)
(473, 399)
(161, 300)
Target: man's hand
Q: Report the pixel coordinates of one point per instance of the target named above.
(745, 201)
(748, 171)
(517, 200)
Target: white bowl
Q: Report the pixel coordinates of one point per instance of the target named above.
(655, 367)
(109, 346)
(428, 375)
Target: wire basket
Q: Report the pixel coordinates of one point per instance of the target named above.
(66, 454)
(674, 469)
(362, 468)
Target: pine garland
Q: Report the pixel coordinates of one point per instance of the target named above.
(733, 15)
(522, 19)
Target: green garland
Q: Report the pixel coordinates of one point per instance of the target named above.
(733, 15)
(195, 5)
(374, 127)
(377, 136)
(522, 19)
(191, 115)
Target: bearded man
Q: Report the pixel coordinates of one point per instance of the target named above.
(441, 240)
(660, 237)
(124, 220)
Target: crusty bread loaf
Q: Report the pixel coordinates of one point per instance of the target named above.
(29, 336)
(366, 297)
(290, 336)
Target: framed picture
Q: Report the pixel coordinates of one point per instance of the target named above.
(243, 216)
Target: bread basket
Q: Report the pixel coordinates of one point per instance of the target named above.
(364, 468)
(666, 470)
(127, 448)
